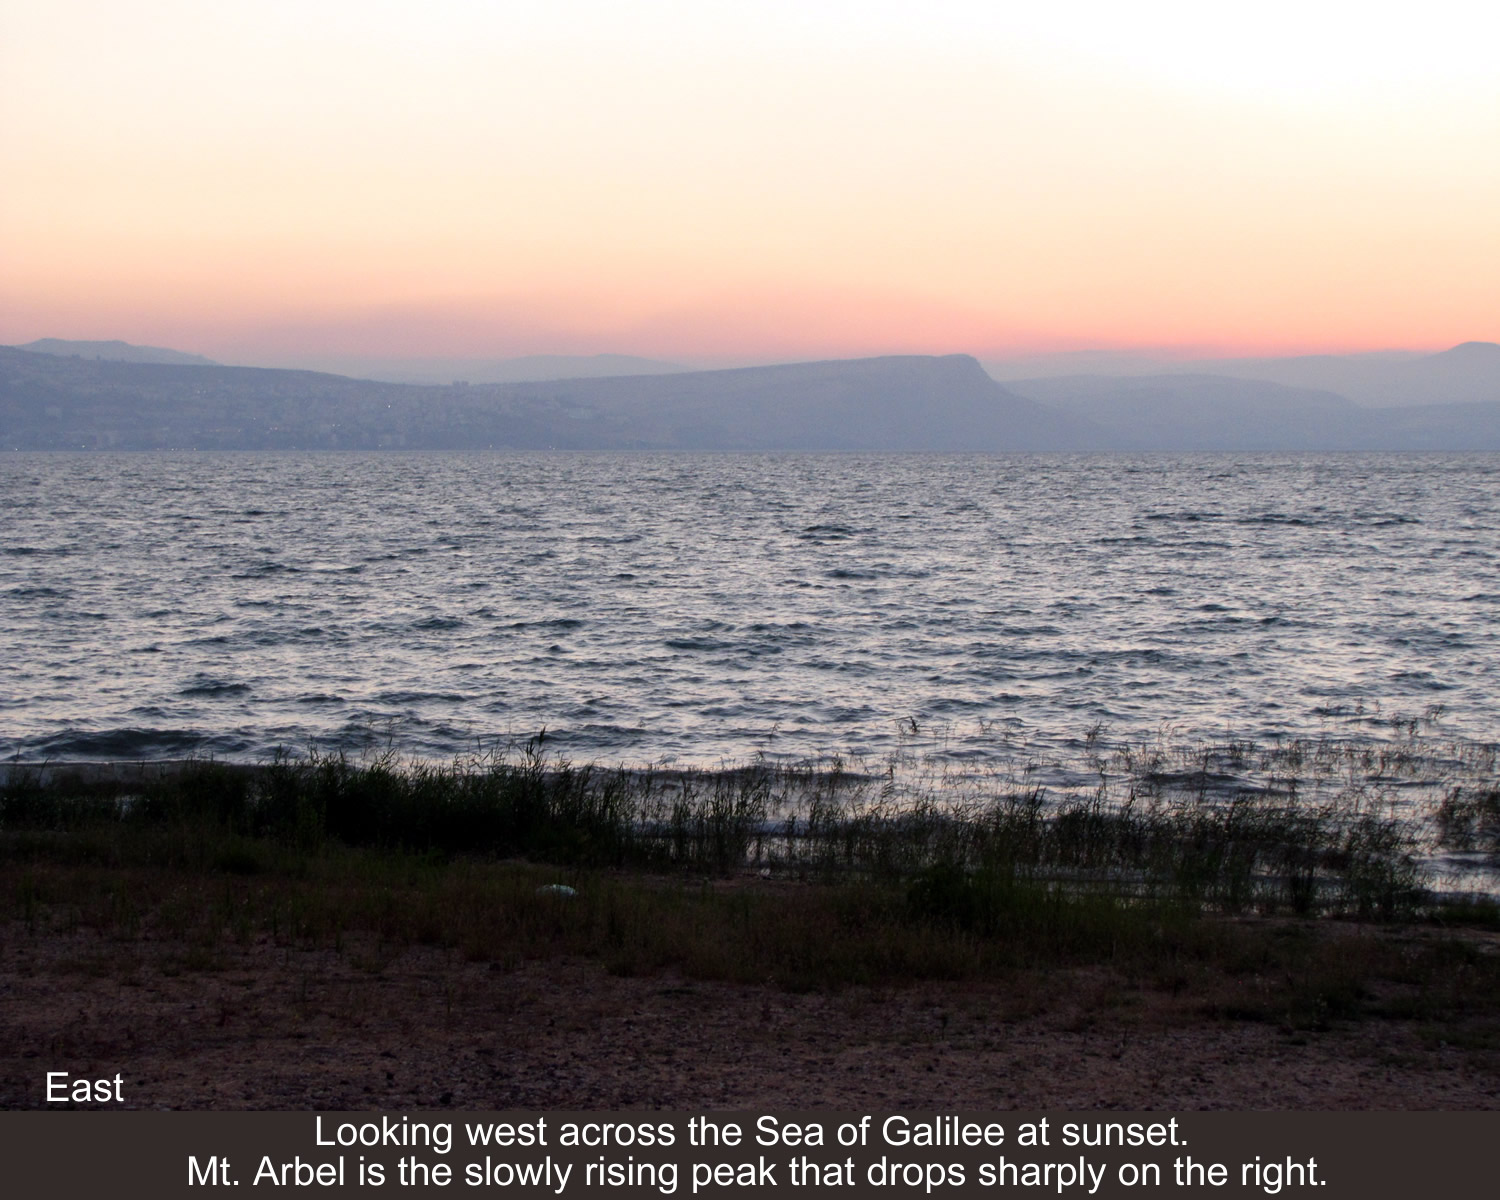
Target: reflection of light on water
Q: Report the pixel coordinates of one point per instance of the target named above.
(1464, 872)
(708, 608)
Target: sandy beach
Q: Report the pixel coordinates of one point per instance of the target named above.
(364, 1029)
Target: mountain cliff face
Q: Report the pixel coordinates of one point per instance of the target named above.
(902, 403)
(897, 403)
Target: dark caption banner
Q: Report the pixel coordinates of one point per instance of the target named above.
(1327, 1155)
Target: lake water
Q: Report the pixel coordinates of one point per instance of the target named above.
(708, 608)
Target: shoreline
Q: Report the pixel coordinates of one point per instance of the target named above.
(1393, 826)
(230, 955)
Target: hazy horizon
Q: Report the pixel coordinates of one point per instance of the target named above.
(1002, 366)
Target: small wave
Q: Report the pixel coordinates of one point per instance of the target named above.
(135, 744)
(309, 635)
(958, 704)
(1280, 519)
(1382, 519)
(597, 734)
(214, 687)
(263, 569)
(1424, 680)
(704, 644)
(390, 555)
(439, 623)
(826, 533)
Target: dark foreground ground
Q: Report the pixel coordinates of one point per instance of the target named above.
(363, 1028)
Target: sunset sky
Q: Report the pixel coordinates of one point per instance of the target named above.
(266, 181)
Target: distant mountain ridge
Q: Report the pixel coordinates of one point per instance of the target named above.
(896, 403)
(115, 351)
(530, 368)
(1464, 374)
(1185, 413)
(890, 403)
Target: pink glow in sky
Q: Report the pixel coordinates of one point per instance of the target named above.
(262, 181)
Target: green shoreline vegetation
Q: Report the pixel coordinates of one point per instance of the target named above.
(1288, 882)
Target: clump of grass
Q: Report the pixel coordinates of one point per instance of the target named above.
(1305, 827)
(1469, 818)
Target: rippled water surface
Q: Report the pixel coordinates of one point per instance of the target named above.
(709, 607)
